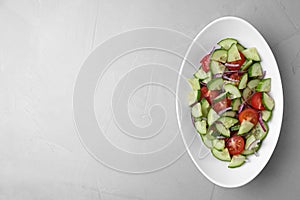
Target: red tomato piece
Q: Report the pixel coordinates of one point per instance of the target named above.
(249, 114)
(235, 145)
(205, 62)
(256, 101)
(221, 105)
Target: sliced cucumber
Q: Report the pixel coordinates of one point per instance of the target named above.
(237, 161)
(211, 134)
(266, 115)
(221, 155)
(267, 101)
(200, 74)
(240, 47)
(246, 65)
(246, 126)
(196, 110)
(243, 81)
(229, 114)
(251, 54)
(193, 97)
(206, 141)
(264, 85)
(215, 84)
(219, 55)
(249, 141)
(253, 83)
(228, 121)
(258, 131)
(209, 77)
(218, 144)
(233, 54)
(201, 127)
(235, 128)
(223, 130)
(246, 93)
(205, 107)
(194, 83)
(220, 97)
(233, 90)
(212, 117)
(255, 70)
(247, 152)
(216, 67)
(227, 42)
(236, 104)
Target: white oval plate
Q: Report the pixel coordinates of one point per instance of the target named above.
(217, 171)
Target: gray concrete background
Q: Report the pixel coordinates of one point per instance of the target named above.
(42, 46)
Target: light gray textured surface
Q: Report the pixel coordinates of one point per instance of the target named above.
(42, 46)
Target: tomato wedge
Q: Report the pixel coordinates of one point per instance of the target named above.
(209, 95)
(239, 62)
(249, 114)
(205, 62)
(256, 101)
(221, 105)
(235, 145)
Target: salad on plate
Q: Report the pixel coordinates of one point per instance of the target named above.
(231, 102)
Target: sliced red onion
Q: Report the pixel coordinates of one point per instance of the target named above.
(263, 75)
(218, 75)
(193, 120)
(193, 104)
(260, 120)
(230, 79)
(220, 137)
(241, 108)
(204, 118)
(213, 49)
(256, 154)
(253, 144)
(224, 110)
(231, 65)
(202, 83)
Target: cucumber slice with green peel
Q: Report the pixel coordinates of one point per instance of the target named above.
(236, 104)
(227, 42)
(249, 141)
(221, 155)
(219, 55)
(228, 121)
(266, 115)
(193, 97)
(247, 92)
(223, 130)
(246, 126)
(243, 81)
(194, 83)
(215, 84)
(216, 67)
(218, 144)
(246, 65)
(264, 85)
(233, 54)
(229, 114)
(237, 161)
(207, 142)
(240, 47)
(212, 116)
(252, 151)
(235, 128)
(196, 110)
(200, 74)
(205, 107)
(220, 97)
(251, 54)
(201, 127)
(258, 131)
(255, 70)
(211, 135)
(209, 77)
(232, 90)
(268, 101)
(253, 83)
